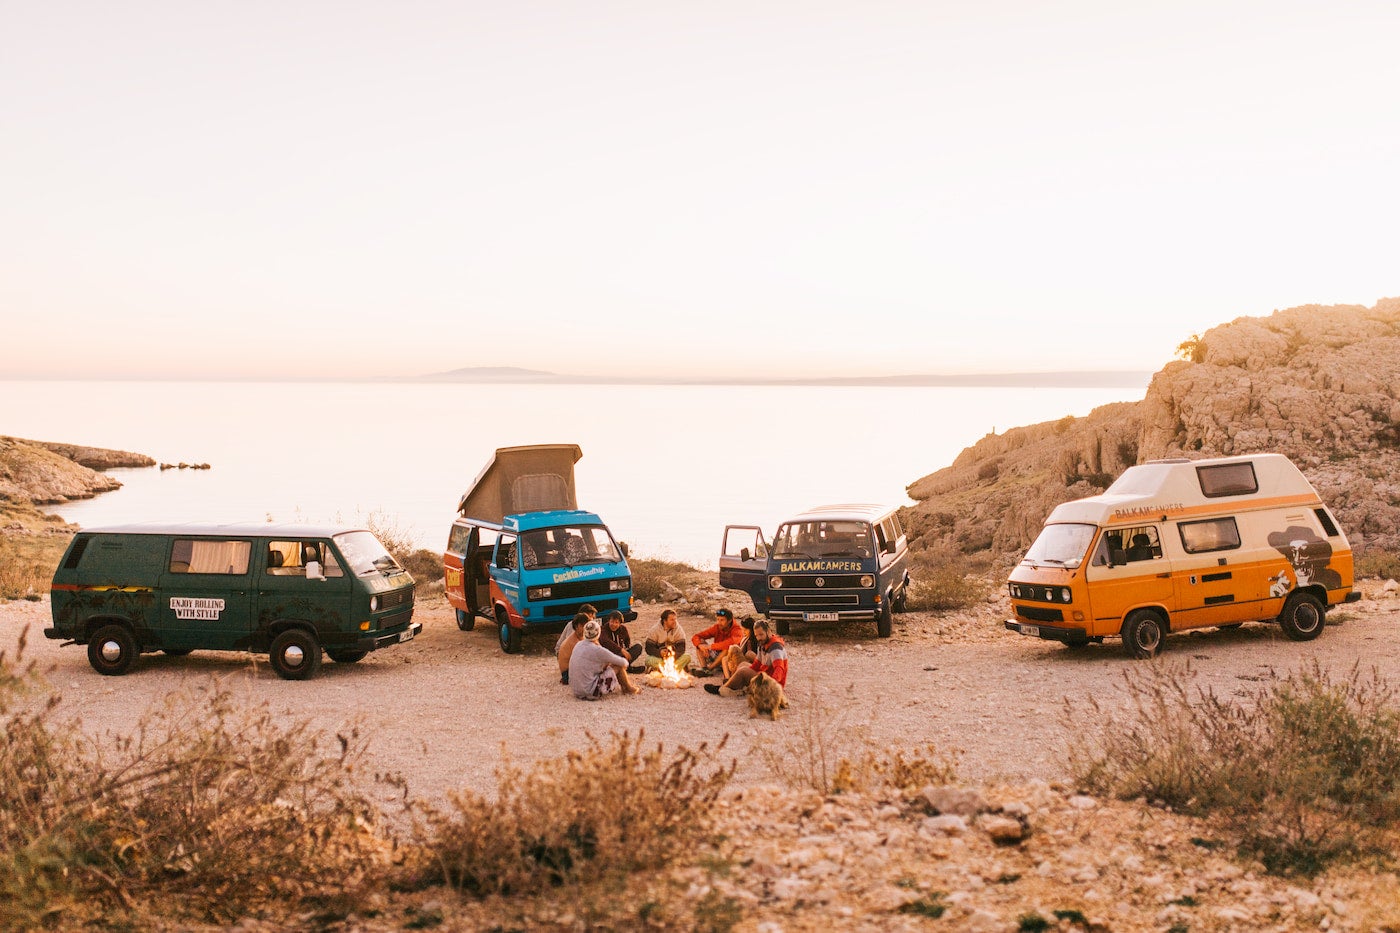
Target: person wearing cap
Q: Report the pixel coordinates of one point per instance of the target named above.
(617, 639)
(594, 671)
(711, 643)
(770, 659)
(667, 638)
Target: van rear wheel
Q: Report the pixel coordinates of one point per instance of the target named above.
(1303, 617)
(1143, 632)
(111, 650)
(295, 654)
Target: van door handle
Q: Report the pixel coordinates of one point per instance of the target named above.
(1164, 576)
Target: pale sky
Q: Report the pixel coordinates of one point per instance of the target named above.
(651, 187)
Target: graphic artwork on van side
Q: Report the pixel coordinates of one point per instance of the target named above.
(1309, 555)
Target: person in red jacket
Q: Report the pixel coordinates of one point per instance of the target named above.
(770, 659)
(711, 643)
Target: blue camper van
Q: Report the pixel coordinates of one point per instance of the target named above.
(522, 555)
(832, 563)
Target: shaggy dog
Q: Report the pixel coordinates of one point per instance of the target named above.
(766, 696)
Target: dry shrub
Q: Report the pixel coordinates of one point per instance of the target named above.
(611, 808)
(649, 572)
(210, 809)
(425, 565)
(1305, 771)
(27, 564)
(822, 749)
(1377, 563)
(945, 579)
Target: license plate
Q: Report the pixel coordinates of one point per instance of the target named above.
(406, 635)
(821, 616)
(1031, 630)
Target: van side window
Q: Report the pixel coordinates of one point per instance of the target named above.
(1217, 534)
(288, 558)
(1329, 527)
(457, 539)
(1141, 543)
(505, 552)
(199, 556)
(1227, 479)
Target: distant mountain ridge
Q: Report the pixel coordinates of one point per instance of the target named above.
(1068, 378)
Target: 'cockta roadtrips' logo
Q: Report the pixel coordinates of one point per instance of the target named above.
(818, 566)
(187, 607)
(568, 575)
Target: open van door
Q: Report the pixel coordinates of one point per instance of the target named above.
(743, 563)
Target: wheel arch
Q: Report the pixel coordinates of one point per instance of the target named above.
(1156, 609)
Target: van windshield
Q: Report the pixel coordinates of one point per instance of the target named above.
(364, 554)
(1060, 544)
(567, 546)
(823, 539)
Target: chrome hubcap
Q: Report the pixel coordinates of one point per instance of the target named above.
(111, 652)
(293, 656)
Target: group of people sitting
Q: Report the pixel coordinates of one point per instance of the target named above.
(596, 658)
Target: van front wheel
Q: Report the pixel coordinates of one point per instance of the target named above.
(1303, 617)
(1142, 634)
(295, 655)
(111, 649)
(466, 621)
(342, 656)
(884, 620)
(510, 635)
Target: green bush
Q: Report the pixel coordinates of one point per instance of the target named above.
(1378, 564)
(211, 808)
(1304, 771)
(611, 808)
(945, 579)
(649, 572)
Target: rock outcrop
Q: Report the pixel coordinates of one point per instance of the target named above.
(1318, 384)
(44, 474)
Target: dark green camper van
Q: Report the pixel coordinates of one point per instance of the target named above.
(287, 591)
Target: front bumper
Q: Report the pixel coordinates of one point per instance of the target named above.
(1046, 632)
(374, 643)
(797, 615)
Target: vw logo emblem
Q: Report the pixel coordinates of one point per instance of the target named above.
(821, 581)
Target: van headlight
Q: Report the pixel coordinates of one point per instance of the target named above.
(775, 583)
(867, 580)
(374, 604)
(538, 592)
(1065, 594)
(619, 585)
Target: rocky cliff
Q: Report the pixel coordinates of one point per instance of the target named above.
(44, 473)
(1319, 384)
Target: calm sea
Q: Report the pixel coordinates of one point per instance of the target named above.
(666, 466)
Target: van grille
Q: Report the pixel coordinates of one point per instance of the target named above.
(830, 581)
(580, 589)
(1037, 614)
(807, 600)
(572, 609)
(396, 598)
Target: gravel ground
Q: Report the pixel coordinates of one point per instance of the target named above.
(442, 710)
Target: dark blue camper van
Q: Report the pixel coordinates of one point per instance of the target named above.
(829, 564)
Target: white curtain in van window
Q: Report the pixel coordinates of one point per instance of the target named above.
(220, 556)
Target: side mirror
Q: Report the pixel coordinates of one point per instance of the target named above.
(622, 546)
(744, 555)
(313, 570)
(890, 546)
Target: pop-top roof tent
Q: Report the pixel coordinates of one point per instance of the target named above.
(535, 478)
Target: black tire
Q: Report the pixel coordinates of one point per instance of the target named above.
(176, 652)
(509, 635)
(466, 621)
(345, 656)
(1232, 626)
(1143, 634)
(1303, 617)
(1077, 645)
(295, 654)
(111, 650)
(781, 626)
(901, 600)
(884, 619)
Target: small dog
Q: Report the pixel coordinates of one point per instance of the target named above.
(766, 696)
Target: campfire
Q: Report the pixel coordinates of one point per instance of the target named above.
(668, 675)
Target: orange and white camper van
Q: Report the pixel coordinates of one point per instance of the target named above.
(1183, 544)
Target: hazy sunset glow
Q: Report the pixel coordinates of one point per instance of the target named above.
(331, 189)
